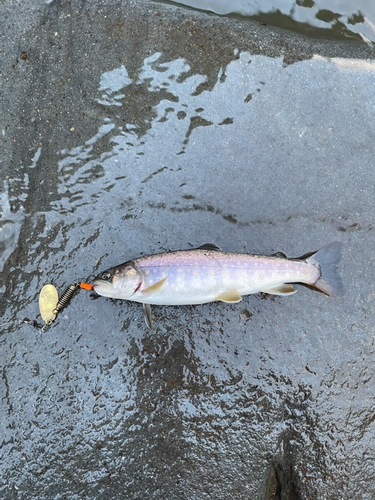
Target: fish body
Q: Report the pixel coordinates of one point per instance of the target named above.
(207, 274)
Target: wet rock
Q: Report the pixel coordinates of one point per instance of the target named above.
(114, 146)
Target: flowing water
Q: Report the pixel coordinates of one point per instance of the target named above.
(329, 19)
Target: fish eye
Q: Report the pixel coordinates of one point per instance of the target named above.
(106, 276)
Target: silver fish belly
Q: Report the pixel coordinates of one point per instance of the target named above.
(207, 274)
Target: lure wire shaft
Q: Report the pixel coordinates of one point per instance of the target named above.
(66, 297)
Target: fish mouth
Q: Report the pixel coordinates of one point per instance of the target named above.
(105, 285)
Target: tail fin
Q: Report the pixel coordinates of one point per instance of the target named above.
(327, 258)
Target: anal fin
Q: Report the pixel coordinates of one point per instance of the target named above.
(230, 296)
(148, 315)
(313, 287)
(154, 288)
(281, 290)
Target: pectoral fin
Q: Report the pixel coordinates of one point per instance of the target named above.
(281, 290)
(231, 296)
(154, 288)
(147, 315)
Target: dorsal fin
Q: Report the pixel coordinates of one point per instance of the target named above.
(209, 246)
(279, 254)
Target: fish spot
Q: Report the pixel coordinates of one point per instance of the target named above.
(163, 275)
(228, 273)
(196, 273)
(244, 273)
(147, 272)
(237, 272)
(179, 270)
(178, 278)
(154, 271)
(211, 271)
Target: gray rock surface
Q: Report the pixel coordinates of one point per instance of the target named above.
(130, 128)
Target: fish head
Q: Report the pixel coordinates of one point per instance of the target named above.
(120, 282)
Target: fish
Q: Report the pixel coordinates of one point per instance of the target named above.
(208, 274)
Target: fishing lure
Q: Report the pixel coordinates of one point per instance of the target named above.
(50, 304)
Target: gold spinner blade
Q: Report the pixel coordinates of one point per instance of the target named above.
(48, 299)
